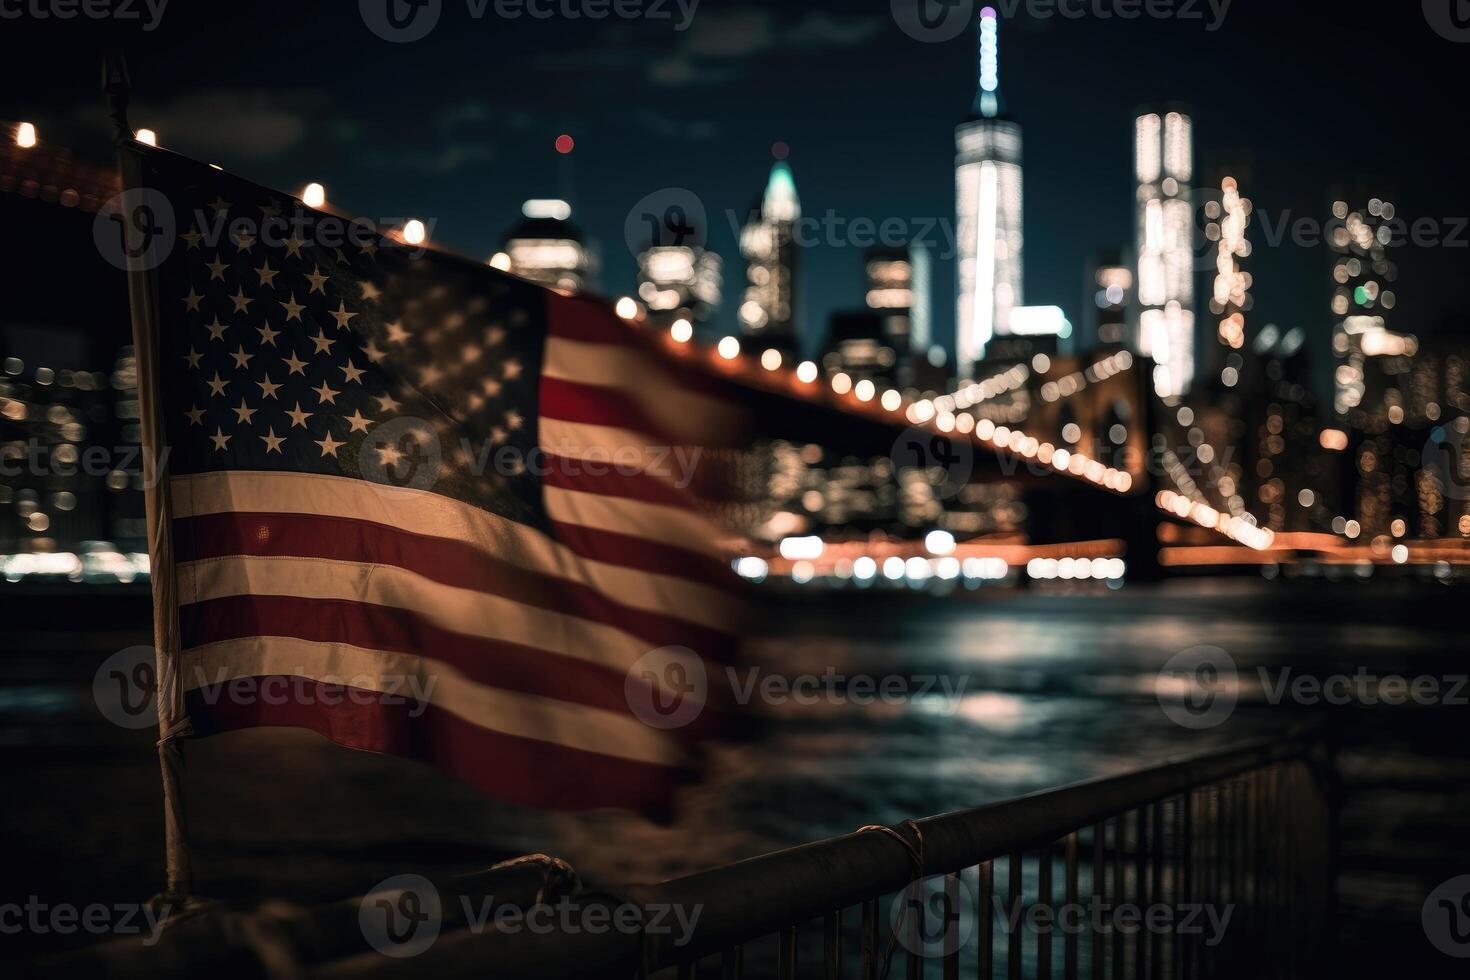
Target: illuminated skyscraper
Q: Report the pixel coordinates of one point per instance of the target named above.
(1163, 163)
(1226, 222)
(547, 248)
(1363, 296)
(680, 281)
(988, 205)
(768, 308)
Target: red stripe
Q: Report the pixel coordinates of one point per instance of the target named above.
(647, 556)
(588, 320)
(494, 663)
(443, 560)
(519, 770)
(602, 478)
(572, 401)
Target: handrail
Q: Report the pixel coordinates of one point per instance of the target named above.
(759, 894)
(765, 894)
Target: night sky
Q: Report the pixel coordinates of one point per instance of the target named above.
(459, 126)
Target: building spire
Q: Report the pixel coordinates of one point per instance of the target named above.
(987, 95)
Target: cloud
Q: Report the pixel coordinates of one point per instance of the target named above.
(719, 40)
(669, 128)
(233, 124)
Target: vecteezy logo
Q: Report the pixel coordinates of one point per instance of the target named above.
(402, 453)
(1444, 457)
(135, 229)
(933, 21)
(401, 917)
(666, 688)
(125, 688)
(1450, 19)
(673, 216)
(933, 917)
(400, 21)
(1197, 688)
(1446, 917)
(924, 449)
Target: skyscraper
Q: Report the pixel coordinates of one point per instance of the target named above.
(988, 206)
(548, 249)
(768, 308)
(1163, 163)
(680, 281)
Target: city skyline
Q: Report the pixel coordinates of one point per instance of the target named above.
(712, 115)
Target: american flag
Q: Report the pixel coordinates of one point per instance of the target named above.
(426, 508)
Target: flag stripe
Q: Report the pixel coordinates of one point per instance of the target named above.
(461, 610)
(644, 555)
(485, 661)
(441, 560)
(668, 591)
(672, 527)
(577, 474)
(402, 675)
(697, 418)
(520, 770)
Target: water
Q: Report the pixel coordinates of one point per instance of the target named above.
(1026, 691)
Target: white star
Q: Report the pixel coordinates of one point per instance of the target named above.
(219, 204)
(353, 372)
(191, 302)
(298, 417)
(267, 335)
(329, 446)
(267, 387)
(241, 301)
(193, 237)
(341, 315)
(396, 333)
(513, 420)
(193, 358)
(374, 353)
(295, 366)
(317, 280)
(386, 403)
(219, 439)
(293, 308)
(325, 395)
(429, 375)
(494, 336)
(323, 345)
(293, 246)
(217, 386)
(511, 369)
(370, 292)
(389, 455)
(195, 415)
(242, 359)
(272, 441)
(216, 269)
(216, 329)
(244, 242)
(266, 273)
(358, 423)
(491, 387)
(244, 414)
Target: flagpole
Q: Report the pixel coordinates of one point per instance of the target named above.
(173, 722)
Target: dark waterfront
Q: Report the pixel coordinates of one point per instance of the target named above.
(1024, 691)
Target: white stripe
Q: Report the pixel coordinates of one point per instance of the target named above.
(509, 712)
(459, 610)
(427, 513)
(688, 415)
(654, 522)
(619, 451)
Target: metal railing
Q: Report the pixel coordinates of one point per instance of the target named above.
(1226, 857)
